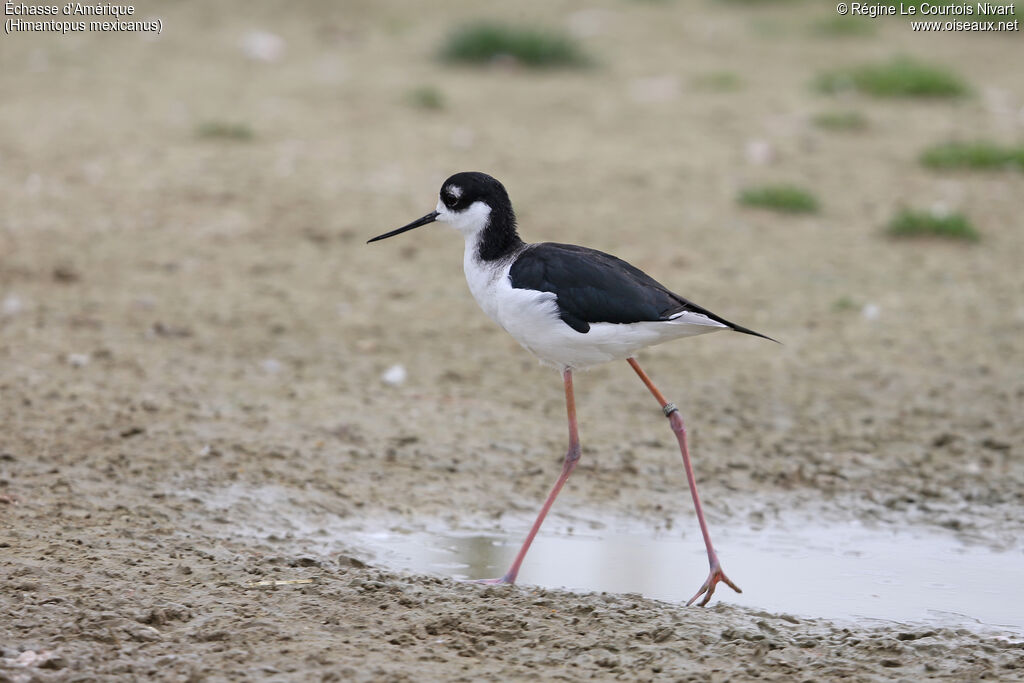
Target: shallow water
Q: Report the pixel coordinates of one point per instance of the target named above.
(835, 571)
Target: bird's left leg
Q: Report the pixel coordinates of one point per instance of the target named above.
(672, 413)
(572, 456)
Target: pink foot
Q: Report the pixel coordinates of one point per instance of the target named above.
(708, 589)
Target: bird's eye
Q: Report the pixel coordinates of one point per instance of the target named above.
(451, 196)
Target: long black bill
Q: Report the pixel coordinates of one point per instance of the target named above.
(429, 218)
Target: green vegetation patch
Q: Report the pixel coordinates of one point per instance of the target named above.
(224, 130)
(954, 226)
(973, 155)
(784, 198)
(720, 81)
(898, 77)
(843, 304)
(841, 120)
(488, 42)
(426, 97)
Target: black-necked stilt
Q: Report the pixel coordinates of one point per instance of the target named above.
(572, 307)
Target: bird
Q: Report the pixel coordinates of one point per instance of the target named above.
(573, 308)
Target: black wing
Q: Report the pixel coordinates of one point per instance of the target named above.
(594, 287)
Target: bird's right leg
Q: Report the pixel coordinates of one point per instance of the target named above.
(572, 457)
(672, 413)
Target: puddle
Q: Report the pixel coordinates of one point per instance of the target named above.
(836, 571)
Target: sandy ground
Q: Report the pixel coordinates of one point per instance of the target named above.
(192, 335)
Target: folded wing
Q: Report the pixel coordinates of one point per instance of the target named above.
(594, 287)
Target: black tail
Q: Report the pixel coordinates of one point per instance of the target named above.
(744, 330)
(688, 305)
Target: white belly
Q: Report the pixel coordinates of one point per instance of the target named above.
(532, 318)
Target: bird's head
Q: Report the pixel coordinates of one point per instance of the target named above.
(470, 202)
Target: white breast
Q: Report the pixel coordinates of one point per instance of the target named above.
(520, 312)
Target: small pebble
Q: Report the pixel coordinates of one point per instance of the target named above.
(78, 360)
(263, 46)
(395, 375)
(12, 305)
(760, 152)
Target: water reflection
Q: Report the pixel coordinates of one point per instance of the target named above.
(844, 571)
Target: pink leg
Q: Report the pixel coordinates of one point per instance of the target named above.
(572, 457)
(672, 413)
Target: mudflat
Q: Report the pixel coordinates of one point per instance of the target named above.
(193, 336)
